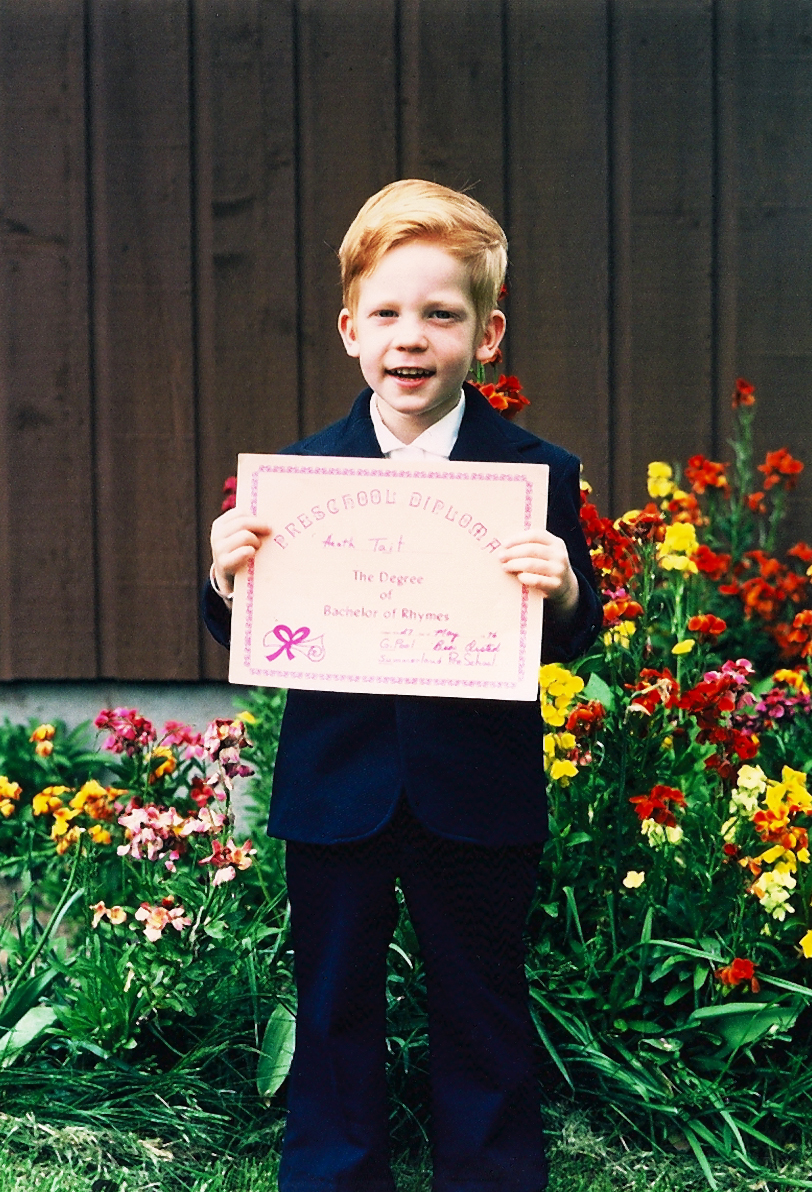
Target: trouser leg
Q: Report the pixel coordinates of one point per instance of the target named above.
(343, 914)
(469, 906)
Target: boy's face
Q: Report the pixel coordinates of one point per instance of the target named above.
(414, 333)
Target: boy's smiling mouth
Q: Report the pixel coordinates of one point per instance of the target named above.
(410, 373)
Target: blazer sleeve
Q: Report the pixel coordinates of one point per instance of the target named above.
(567, 641)
(216, 615)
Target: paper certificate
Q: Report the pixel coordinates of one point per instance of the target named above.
(381, 577)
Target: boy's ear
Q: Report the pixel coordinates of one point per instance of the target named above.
(346, 329)
(491, 337)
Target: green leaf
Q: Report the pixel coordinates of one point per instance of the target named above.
(217, 930)
(598, 689)
(778, 983)
(744, 1023)
(554, 1056)
(276, 1052)
(32, 1024)
(578, 838)
(676, 992)
(701, 1157)
(26, 995)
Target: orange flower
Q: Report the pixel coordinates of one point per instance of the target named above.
(684, 507)
(715, 566)
(801, 551)
(657, 804)
(162, 761)
(586, 718)
(704, 473)
(744, 394)
(801, 632)
(116, 914)
(9, 796)
(755, 503)
(736, 972)
(505, 396)
(43, 736)
(780, 464)
(708, 624)
(621, 609)
(63, 842)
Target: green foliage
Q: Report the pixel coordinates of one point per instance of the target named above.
(670, 940)
(145, 952)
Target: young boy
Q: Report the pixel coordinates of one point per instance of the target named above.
(445, 794)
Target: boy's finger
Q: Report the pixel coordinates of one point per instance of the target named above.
(543, 537)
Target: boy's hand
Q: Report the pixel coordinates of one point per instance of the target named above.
(235, 538)
(539, 560)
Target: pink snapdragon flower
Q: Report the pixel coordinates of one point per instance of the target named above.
(223, 740)
(129, 732)
(164, 914)
(225, 857)
(178, 734)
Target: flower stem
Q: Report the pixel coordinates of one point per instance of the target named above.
(49, 926)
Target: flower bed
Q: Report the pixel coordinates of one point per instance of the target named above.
(670, 942)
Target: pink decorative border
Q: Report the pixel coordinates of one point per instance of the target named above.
(394, 680)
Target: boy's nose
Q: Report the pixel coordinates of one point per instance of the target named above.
(411, 338)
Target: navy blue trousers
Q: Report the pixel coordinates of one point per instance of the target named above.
(469, 906)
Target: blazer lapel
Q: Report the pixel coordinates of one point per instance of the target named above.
(358, 436)
(484, 434)
(352, 436)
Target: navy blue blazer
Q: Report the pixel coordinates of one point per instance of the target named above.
(471, 769)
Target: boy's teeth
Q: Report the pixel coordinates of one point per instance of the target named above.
(410, 372)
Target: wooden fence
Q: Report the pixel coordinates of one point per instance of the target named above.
(176, 174)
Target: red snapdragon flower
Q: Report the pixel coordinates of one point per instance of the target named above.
(621, 608)
(653, 688)
(586, 718)
(229, 494)
(744, 394)
(801, 551)
(707, 624)
(686, 508)
(779, 465)
(505, 396)
(715, 566)
(658, 805)
(704, 473)
(737, 972)
(801, 632)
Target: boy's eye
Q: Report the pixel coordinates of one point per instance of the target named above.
(386, 314)
(443, 314)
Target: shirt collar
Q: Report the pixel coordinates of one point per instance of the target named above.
(438, 439)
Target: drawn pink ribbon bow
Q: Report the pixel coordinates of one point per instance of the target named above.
(289, 639)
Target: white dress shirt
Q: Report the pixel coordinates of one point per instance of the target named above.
(436, 442)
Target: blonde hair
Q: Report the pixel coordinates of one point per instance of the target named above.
(416, 210)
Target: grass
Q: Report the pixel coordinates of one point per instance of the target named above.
(584, 1158)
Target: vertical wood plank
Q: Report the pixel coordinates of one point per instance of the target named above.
(451, 96)
(559, 226)
(246, 244)
(47, 613)
(347, 117)
(662, 148)
(147, 525)
(772, 42)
